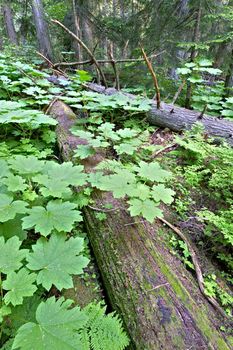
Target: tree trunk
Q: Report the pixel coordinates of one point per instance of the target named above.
(194, 52)
(42, 31)
(77, 31)
(180, 119)
(9, 23)
(160, 303)
(229, 77)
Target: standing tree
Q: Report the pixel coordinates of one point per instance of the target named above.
(42, 31)
(9, 23)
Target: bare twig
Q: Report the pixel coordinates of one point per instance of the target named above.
(110, 53)
(51, 65)
(81, 43)
(104, 210)
(203, 112)
(156, 85)
(124, 60)
(177, 94)
(157, 287)
(163, 150)
(198, 271)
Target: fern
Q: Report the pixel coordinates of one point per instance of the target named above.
(102, 332)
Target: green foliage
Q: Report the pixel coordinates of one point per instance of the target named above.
(207, 167)
(58, 326)
(213, 289)
(56, 260)
(208, 92)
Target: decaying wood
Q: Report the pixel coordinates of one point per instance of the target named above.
(158, 299)
(178, 118)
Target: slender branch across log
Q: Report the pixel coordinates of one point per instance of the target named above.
(81, 43)
(108, 61)
(198, 271)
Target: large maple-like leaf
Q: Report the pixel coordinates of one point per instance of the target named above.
(26, 165)
(161, 193)
(56, 328)
(57, 215)
(9, 208)
(148, 209)
(11, 255)
(56, 260)
(20, 285)
(152, 172)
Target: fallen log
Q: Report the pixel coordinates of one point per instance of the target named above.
(177, 118)
(157, 297)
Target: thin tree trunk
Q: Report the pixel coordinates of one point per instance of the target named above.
(9, 23)
(194, 52)
(77, 31)
(42, 31)
(229, 77)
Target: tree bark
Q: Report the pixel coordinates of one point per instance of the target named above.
(194, 52)
(180, 119)
(9, 23)
(229, 77)
(159, 301)
(42, 31)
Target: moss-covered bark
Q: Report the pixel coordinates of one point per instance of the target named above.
(157, 297)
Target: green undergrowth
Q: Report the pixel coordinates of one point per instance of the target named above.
(40, 213)
(204, 196)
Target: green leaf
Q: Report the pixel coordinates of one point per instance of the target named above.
(66, 173)
(56, 189)
(56, 260)
(118, 184)
(14, 183)
(161, 193)
(20, 285)
(4, 169)
(9, 208)
(58, 216)
(125, 148)
(227, 113)
(127, 133)
(26, 165)
(13, 228)
(183, 71)
(11, 255)
(203, 62)
(84, 151)
(148, 209)
(4, 311)
(152, 172)
(56, 328)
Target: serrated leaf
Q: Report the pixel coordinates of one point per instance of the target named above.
(4, 169)
(14, 183)
(57, 215)
(127, 133)
(19, 285)
(26, 165)
(56, 189)
(125, 148)
(118, 184)
(9, 208)
(66, 172)
(148, 209)
(161, 193)
(56, 328)
(56, 260)
(152, 172)
(11, 255)
(84, 151)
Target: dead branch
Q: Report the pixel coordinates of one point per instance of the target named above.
(178, 94)
(51, 65)
(81, 43)
(156, 85)
(198, 271)
(125, 60)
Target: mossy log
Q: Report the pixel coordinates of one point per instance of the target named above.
(179, 119)
(157, 298)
